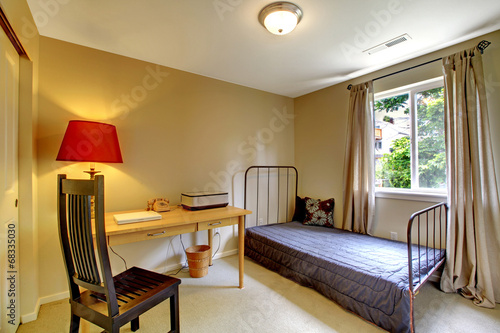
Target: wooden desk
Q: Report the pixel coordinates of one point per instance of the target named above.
(180, 221)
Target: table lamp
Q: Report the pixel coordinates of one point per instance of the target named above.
(90, 141)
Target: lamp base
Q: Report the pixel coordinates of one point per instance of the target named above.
(92, 172)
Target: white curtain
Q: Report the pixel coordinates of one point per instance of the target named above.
(359, 168)
(473, 246)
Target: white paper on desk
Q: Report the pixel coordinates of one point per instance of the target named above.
(136, 217)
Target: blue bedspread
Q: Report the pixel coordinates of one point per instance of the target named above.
(364, 274)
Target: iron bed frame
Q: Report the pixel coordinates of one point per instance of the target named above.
(430, 222)
(438, 212)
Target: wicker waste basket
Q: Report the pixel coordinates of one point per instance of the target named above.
(197, 257)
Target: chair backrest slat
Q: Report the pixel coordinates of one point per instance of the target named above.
(80, 233)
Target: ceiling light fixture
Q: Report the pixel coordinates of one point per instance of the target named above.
(280, 18)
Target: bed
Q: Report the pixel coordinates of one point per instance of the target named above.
(375, 278)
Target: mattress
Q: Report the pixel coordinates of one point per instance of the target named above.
(364, 274)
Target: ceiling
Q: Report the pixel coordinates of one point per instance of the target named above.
(223, 39)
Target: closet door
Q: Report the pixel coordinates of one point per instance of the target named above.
(9, 222)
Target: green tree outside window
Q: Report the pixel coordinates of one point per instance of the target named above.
(394, 168)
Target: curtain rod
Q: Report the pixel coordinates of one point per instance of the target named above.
(481, 46)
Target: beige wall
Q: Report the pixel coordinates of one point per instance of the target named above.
(19, 15)
(320, 131)
(178, 132)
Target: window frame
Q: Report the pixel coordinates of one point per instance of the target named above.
(413, 193)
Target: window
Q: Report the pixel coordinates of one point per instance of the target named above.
(409, 138)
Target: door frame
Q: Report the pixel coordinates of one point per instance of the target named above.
(12, 236)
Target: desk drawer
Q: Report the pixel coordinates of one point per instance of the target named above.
(150, 234)
(217, 223)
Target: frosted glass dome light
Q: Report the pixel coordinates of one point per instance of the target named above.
(280, 18)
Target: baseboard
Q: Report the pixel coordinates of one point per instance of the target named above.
(26, 318)
(226, 254)
(436, 276)
(54, 298)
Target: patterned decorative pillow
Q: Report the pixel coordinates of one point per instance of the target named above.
(319, 212)
(300, 209)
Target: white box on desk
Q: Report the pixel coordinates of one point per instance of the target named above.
(204, 200)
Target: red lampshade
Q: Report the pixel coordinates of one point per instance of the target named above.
(89, 141)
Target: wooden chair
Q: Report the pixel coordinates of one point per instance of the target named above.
(109, 302)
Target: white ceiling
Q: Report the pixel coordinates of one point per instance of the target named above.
(223, 39)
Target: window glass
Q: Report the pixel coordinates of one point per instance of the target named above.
(392, 142)
(431, 145)
(409, 138)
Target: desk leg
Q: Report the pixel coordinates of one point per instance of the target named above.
(241, 248)
(210, 243)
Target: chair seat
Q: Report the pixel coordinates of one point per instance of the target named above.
(133, 286)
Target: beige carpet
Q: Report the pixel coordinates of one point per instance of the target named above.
(271, 303)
